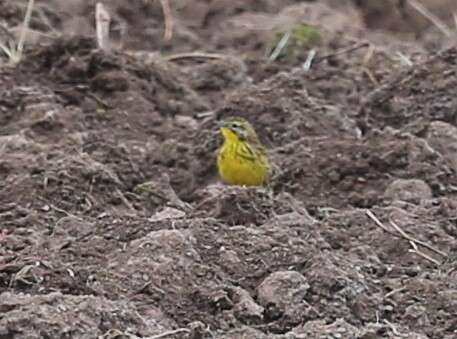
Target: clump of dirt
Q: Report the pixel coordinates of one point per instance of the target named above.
(415, 97)
(114, 223)
(406, 17)
(57, 316)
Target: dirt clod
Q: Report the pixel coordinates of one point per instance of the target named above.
(114, 222)
(412, 190)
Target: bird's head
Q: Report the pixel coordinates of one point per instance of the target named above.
(237, 128)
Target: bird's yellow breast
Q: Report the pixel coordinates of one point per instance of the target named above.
(236, 169)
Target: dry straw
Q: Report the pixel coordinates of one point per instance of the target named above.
(13, 50)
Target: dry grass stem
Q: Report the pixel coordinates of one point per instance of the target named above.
(416, 251)
(102, 23)
(309, 60)
(395, 291)
(168, 18)
(430, 16)
(394, 329)
(412, 241)
(404, 59)
(25, 27)
(280, 46)
(422, 243)
(370, 75)
(369, 54)
(15, 51)
(348, 50)
(194, 55)
(124, 200)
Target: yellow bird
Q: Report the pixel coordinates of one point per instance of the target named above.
(242, 159)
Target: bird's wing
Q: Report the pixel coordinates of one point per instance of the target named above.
(246, 151)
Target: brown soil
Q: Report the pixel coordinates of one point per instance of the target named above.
(114, 224)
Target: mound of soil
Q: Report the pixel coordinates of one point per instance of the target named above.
(114, 223)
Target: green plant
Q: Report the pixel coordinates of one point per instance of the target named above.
(294, 40)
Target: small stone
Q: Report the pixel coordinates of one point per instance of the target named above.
(282, 289)
(411, 190)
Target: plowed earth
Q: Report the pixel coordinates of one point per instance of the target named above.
(355, 238)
